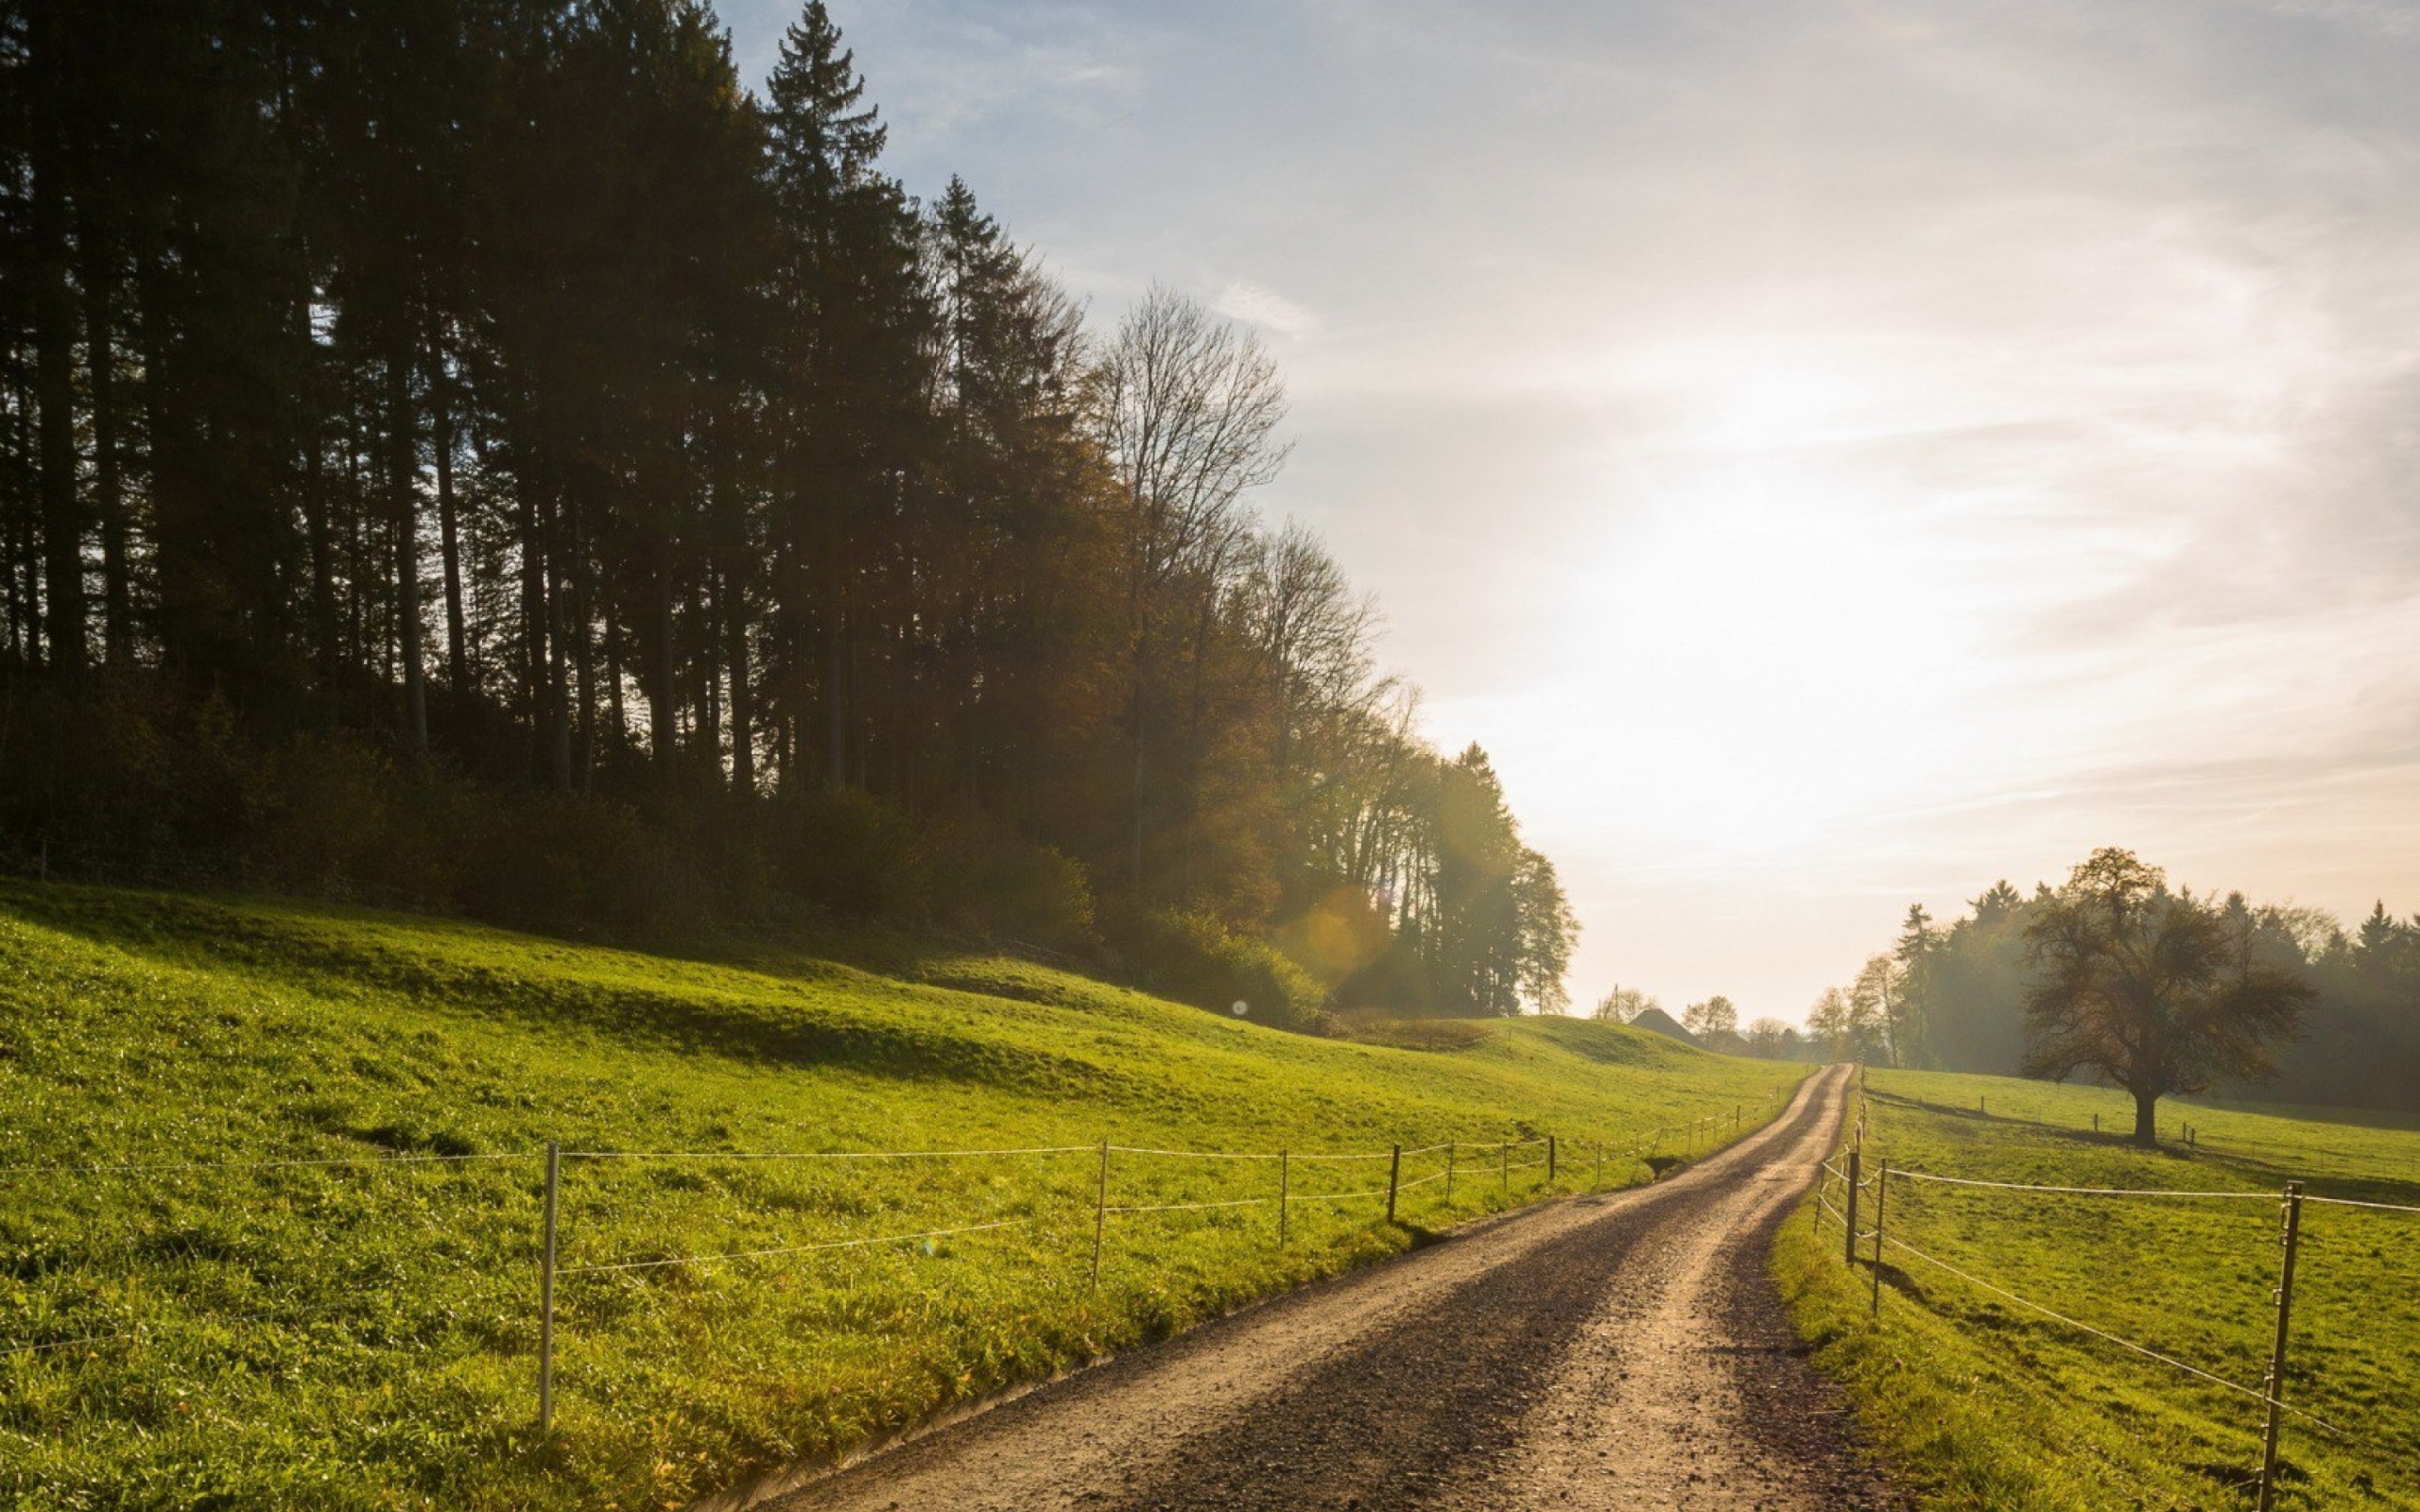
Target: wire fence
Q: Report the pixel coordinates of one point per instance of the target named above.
(183, 1261)
(1845, 1183)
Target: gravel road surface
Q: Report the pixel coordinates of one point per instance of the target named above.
(1617, 1351)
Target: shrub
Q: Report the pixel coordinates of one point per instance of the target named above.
(988, 882)
(1194, 958)
(848, 853)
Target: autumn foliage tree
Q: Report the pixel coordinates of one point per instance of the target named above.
(2149, 991)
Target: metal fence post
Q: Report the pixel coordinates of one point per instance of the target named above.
(1881, 1198)
(1285, 1178)
(1101, 1209)
(1395, 1180)
(2275, 1388)
(1852, 1217)
(546, 1294)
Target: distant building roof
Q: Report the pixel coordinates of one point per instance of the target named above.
(1661, 1022)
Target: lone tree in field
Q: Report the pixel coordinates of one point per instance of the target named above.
(2148, 989)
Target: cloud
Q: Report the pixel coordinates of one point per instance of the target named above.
(1265, 308)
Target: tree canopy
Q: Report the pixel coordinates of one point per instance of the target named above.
(497, 405)
(2149, 990)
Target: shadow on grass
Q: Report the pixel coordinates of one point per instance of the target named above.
(818, 1020)
(2253, 1170)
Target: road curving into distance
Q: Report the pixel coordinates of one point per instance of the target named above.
(1615, 1351)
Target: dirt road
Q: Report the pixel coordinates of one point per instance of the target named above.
(1601, 1352)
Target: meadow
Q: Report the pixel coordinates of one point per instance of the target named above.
(1983, 1402)
(272, 1176)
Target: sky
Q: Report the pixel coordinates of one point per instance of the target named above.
(1833, 454)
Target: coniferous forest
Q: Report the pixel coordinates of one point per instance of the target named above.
(1953, 996)
(487, 456)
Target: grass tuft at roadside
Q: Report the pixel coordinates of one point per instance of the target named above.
(1980, 1401)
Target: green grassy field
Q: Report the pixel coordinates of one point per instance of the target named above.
(364, 1335)
(1984, 1404)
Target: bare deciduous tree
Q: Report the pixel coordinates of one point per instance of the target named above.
(1623, 1004)
(1187, 407)
(1716, 1015)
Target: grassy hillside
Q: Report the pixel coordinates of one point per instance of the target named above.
(363, 1336)
(1989, 1404)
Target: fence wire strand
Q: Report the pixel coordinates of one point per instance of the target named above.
(1188, 1207)
(824, 1155)
(1338, 1197)
(2260, 1396)
(792, 1250)
(114, 1168)
(2144, 1350)
(2348, 1202)
(2086, 1191)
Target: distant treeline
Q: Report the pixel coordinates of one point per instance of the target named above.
(481, 453)
(1952, 997)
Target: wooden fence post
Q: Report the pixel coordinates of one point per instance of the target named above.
(1599, 1184)
(1853, 1185)
(1395, 1180)
(1101, 1209)
(1285, 1178)
(1504, 1167)
(2275, 1389)
(1881, 1196)
(1550, 1164)
(1449, 1173)
(546, 1294)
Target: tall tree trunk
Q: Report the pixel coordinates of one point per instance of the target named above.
(2147, 1120)
(584, 633)
(702, 598)
(534, 622)
(836, 715)
(357, 551)
(16, 526)
(1197, 700)
(559, 718)
(440, 403)
(54, 337)
(732, 600)
(402, 468)
(663, 709)
(618, 718)
(321, 539)
(554, 720)
(109, 490)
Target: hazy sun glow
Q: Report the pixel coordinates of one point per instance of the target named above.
(1832, 455)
